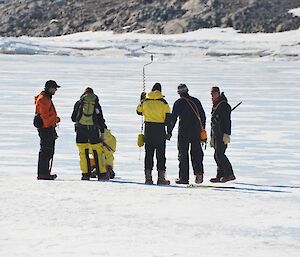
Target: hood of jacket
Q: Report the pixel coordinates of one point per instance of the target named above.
(154, 95)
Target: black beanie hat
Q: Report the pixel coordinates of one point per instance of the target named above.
(88, 90)
(182, 88)
(157, 86)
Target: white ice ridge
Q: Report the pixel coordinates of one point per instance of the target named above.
(205, 42)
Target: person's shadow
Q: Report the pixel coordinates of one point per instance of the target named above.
(261, 185)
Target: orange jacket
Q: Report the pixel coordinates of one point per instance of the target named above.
(45, 107)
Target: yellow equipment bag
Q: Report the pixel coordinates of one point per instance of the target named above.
(140, 140)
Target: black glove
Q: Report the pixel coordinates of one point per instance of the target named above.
(168, 136)
(143, 96)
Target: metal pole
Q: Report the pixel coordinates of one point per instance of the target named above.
(144, 75)
(144, 79)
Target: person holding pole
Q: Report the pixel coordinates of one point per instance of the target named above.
(220, 135)
(156, 111)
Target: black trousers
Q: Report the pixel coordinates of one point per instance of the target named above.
(47, 145)
(160, 150)
(224, 166)
(196, 152)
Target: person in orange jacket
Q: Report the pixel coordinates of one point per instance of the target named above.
(45, 109)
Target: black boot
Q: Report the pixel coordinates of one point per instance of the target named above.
(103, 176)
(162, 178)
(228, 178)
(85, 176)
(47, 177)
(148, 177)
(110, 172)
(199, 178)
(181, 181)
(217, 179)
(53, 176)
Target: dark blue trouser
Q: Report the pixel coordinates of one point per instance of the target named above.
(224, 165)
(184, 143)
(47, 145)
(160, 156)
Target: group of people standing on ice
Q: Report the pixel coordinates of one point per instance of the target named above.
(94, 140)
(96, 144)
(192, 121)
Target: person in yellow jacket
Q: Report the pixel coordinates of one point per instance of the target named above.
(109, 147)
(156, 111)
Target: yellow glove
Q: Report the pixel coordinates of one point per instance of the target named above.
(226, 139)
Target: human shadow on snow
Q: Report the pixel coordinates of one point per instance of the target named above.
(263, 185)
(192, 186)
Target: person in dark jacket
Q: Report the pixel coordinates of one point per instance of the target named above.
(88, 117)
(156, 111)
(47, 133)
(220, 135)
(187, 108)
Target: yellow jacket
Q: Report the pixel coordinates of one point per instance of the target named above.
(154, 108)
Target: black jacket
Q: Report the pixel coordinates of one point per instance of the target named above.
(221, 117)
(98, 119)
(188, 121)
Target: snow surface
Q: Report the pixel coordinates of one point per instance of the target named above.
(295, 12)
(69, 217)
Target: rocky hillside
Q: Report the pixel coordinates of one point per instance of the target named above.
(45, 18)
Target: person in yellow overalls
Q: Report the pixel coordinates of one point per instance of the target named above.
(90, 127)
(109, 147)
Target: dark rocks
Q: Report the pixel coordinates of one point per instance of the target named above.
(59, 17)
